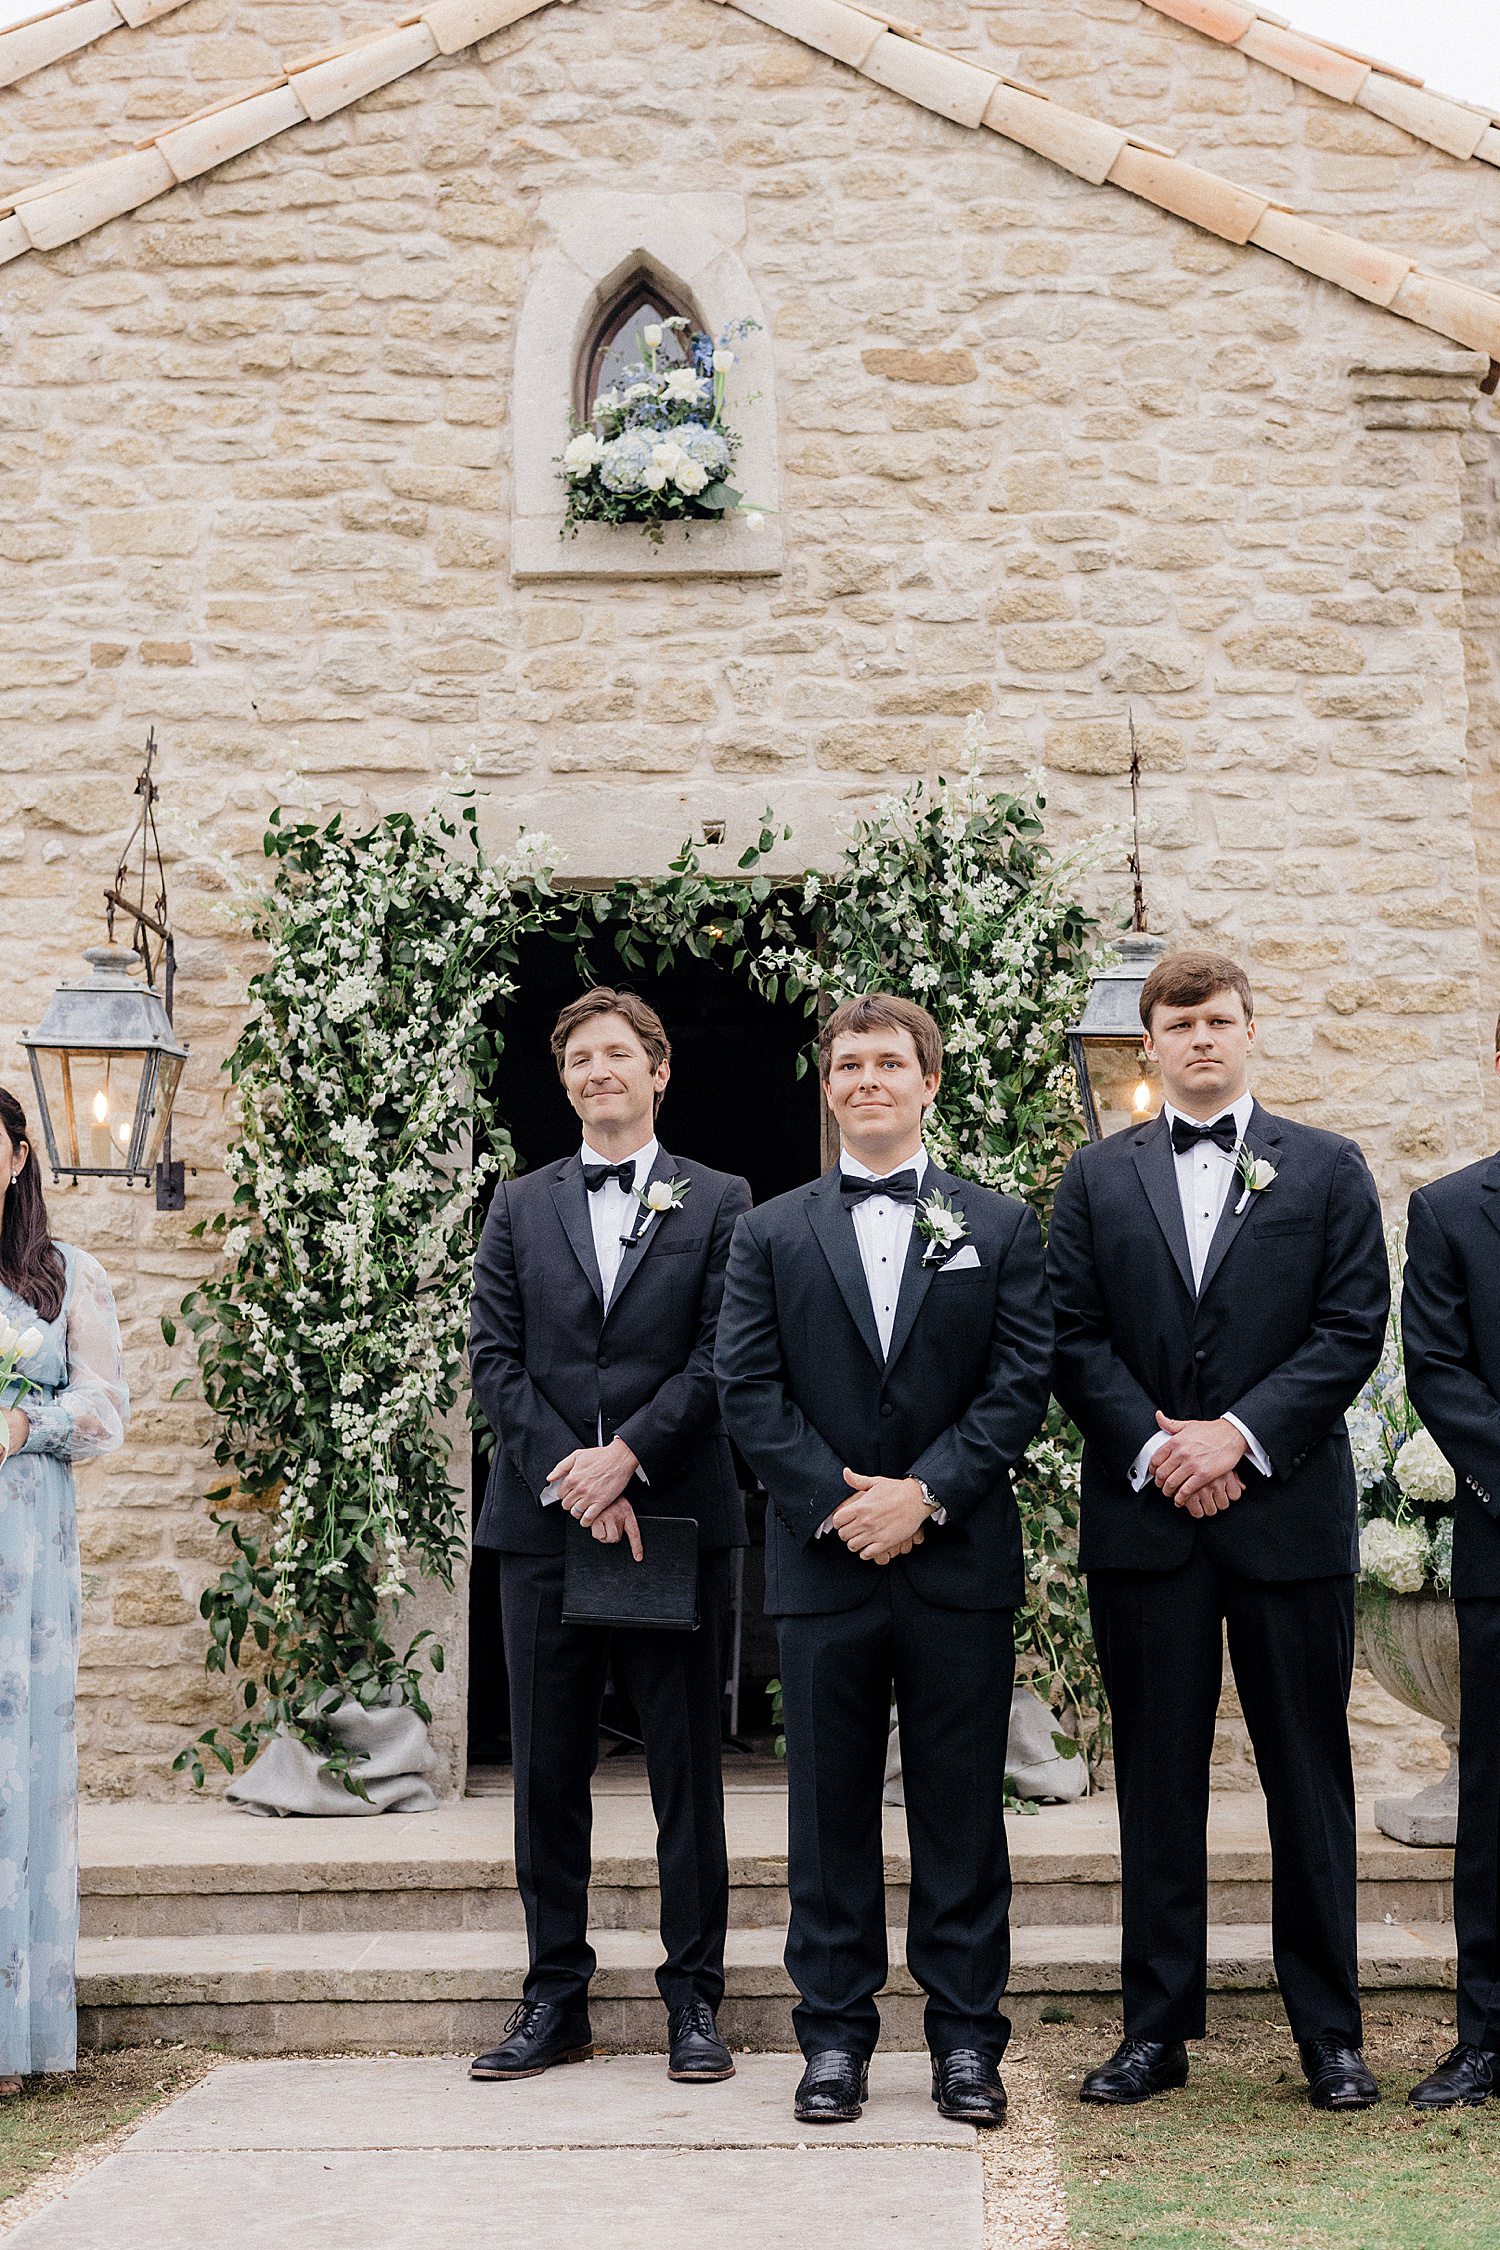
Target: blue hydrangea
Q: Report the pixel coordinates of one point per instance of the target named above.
(704, 446)
(626, 459)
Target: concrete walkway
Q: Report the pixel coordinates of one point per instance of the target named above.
(408, 2153)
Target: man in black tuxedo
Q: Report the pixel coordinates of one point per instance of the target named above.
(1450, 1324)
(883, 1354)
(1220, 1287)
(591, 1352)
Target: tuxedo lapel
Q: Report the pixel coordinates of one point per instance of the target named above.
(1262, 1137)
(1158, 1170)
(916, 1275)
(642, 1237)
(832, 1222)
(1489, 1197)
(572, 1200)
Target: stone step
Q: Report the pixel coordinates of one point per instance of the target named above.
(203, 1870)
(447, 1990)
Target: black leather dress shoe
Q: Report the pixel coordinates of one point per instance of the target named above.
(538, 2035)
(831, 2090)
(967, 2086)
(1337, 2075)
(1136, 2070)
(697, 2053)
(1465, 2078)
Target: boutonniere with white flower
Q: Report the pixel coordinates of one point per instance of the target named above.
(656, 1199)
(1257, 1173)
(944, 1227)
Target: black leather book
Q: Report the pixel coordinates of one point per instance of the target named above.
(603, 1584)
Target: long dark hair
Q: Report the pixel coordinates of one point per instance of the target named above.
(30, 1261)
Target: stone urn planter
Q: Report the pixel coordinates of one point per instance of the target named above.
(1410, 1643)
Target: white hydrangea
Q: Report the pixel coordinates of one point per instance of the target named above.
(1422, 1473)
(703, 445)
(1394, 1555)
(624, 462)
(1367, 1444)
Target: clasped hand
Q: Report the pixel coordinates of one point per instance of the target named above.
(590, 1483)
(883, 1518)
(1196, 1466)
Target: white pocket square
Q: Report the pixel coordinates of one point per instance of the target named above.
(962, 1261)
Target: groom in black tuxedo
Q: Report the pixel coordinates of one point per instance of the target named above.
(883, 1354)
(1450, 1325)
(591, 1352)
(1220, 1286)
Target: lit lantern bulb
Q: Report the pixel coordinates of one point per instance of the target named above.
(101, 1109)
(1140, 1100)
(101, 1146)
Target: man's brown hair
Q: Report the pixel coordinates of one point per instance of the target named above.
(605, 1001)
(881, 1011)
(1187, 979)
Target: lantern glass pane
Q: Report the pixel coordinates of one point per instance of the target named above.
(160, 1096)
(1126, 1088)
(92, 1098)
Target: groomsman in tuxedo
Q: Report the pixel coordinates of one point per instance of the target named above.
(1220, 1286)
(883, 1356)
(1450, 1322)
(591, 1352)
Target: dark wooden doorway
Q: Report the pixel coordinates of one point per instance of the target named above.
(736, 1102)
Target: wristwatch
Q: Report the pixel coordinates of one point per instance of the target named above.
(930, 1500)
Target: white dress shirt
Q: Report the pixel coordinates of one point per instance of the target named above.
(882, 1228)
(613, 1211)
(1205, 1174)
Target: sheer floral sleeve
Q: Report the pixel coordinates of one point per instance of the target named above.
(89, 1414)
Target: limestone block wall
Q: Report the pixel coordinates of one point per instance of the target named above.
(1046, 453)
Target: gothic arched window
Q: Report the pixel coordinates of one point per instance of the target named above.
(617, 344)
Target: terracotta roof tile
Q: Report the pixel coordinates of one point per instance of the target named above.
(49, 35)
(58, 209)
(1459, 128)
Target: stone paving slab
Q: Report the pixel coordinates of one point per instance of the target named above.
(430, 2102)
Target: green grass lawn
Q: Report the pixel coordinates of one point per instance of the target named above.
(1239, 2159)
(55, 2117)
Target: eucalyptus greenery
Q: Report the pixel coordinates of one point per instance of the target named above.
(331, 1340)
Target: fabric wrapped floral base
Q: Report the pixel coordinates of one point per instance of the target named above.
(396, 1765)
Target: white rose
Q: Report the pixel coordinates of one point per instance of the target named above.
(689, 476)
(654, 478)
(1261, 1174)
(1394, 1555)
(666, 455)
(1421, 1471)
(585, 452)
(659, 1196)
(723, 361)
(651, 338)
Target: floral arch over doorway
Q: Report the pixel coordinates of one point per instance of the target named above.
(330, 1342)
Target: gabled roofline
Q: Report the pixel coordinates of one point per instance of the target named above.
(66, 27)
(1345, 74)
(60, 208)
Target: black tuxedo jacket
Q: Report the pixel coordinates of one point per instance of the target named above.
(1450, 1327)
(550, 1366)
(1288, 1323)
(956, 1401)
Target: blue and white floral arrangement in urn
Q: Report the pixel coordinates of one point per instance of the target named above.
(656, 450)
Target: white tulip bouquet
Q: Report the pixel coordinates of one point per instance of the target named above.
(16, 1344)
(656, 449)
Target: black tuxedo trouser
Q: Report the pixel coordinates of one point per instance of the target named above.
(1476, 1863)
(952, 1672)
(1160, 1637)
(676, 1682)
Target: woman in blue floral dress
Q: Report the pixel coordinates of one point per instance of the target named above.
(77, 1409)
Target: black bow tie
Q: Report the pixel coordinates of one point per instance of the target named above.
(595, 1175)
(901, 1187)
(1224, 1133)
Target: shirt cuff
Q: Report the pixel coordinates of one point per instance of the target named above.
(1253, 1445)
(1140, 1467)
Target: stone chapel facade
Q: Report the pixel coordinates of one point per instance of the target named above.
(1114, 357)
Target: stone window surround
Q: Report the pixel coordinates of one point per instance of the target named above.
(595, 239)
